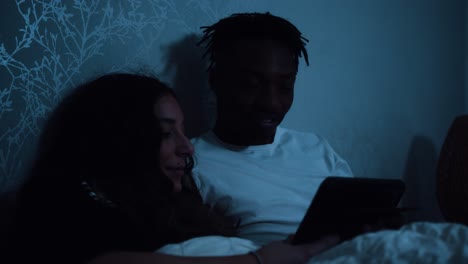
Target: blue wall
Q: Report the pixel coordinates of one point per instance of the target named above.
(385, 81)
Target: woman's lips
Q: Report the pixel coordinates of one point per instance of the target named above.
(177, 171)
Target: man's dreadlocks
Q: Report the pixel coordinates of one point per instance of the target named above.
(252, 26)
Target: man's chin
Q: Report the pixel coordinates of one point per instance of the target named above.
(247, 133)
(261, 135)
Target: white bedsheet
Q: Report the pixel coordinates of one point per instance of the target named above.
(421, 242)
(210, 246)
(414, 243)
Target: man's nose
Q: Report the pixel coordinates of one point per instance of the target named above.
(269, 100)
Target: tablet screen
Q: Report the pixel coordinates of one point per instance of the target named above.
(344, 205)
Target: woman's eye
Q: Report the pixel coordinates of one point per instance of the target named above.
(166, 134)
(252, 82)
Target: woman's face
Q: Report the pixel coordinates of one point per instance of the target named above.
(175, 147)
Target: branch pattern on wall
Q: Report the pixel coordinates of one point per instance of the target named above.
(56, 45)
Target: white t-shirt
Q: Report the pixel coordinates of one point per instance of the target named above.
(267, 187)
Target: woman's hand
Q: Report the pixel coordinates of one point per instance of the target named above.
(279, 252)
(283, 252)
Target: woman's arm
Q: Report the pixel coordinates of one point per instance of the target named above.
(158, 258)
(277, 252)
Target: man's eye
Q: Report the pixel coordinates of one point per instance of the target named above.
(250, 81)
(287, 85)
(287, 88)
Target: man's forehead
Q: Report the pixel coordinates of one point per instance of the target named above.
(265, 72)
(258, 56)
(258, 46)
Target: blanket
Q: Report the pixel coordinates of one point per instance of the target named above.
(420, 242)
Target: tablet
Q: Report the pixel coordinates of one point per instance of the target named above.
(343, 205)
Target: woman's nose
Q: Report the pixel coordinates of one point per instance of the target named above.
(185, 147)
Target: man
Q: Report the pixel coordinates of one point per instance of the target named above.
(247, 166)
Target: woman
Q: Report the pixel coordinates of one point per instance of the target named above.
(111, 183)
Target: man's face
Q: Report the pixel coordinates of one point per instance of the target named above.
(254, 85)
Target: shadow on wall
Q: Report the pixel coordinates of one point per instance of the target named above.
(420, 179)
(190, 82)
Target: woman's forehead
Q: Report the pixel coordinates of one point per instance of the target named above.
(167, 108)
